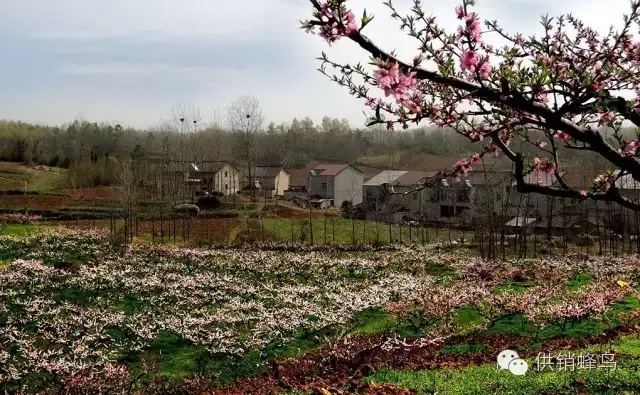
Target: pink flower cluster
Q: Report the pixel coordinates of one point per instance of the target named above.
(336, 23)
(598, 66)
(18, 218)
(632, 147)
(463, 166)
(604, 182)
(471, 60)
(544, 165)
(606, 119)
(402, 86)
(562, 136)
(494, 149)
(477, 134)
(472, 28)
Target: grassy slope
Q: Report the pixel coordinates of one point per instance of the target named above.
(380, 160)
(13, 176)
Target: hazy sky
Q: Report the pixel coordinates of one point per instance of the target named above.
(132, 61)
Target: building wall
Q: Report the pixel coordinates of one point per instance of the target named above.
(488, 199)
(265, 182)
(535, 204)
(448, 201)
(322, 186)
(282, 182)
(276, 185)
(289, 195)
(348, 186)
(413, 203)
(225, 182)
(371, 195)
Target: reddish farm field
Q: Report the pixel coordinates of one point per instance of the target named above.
(49, 202)
(90, 192)
(33, 202)
(215, 230)
(293, 212)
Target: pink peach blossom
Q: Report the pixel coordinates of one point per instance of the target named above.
(484, 71)
(469, 60)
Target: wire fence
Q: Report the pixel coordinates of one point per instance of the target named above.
(203, 204)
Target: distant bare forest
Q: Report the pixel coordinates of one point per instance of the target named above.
(98, 148)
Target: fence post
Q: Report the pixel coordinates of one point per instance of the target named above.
(325, 229)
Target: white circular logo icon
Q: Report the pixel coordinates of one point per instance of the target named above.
(518, 366)
(511, 361)
(505, 357)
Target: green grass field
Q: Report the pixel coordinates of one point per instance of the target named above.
(13, 175)
(379, 160)
(486, 379)
(345, 231)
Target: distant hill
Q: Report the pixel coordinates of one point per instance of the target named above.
(428, 162)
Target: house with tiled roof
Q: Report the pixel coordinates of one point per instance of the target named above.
(199, 176)
(333, 184)
(478, 193)
(376, 189)
(268, 181)
(394, 194)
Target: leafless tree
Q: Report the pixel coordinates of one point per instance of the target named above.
(177, 123)
(194, 119)
(128, 197)
(245, 119)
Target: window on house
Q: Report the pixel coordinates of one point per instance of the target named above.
(415, 196)
(369, 193)
(226, 187)
(324, 185)
(226, 174)
(435, 195)
(463, 195)
(447, 211)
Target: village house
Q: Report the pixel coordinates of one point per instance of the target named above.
(554, 216)
(331, 185)
(478, 193)
(393, 195)
(268, 181)
(186, 181)
(219, 176)
(376, 191)
(298, 184)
